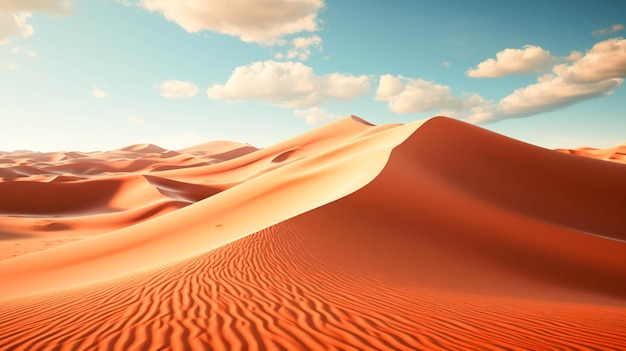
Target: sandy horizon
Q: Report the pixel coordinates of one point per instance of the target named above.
(431, 235)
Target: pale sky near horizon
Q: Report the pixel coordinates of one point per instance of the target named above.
(102, 74)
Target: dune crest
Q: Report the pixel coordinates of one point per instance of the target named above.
(144, 148)
(431, 235)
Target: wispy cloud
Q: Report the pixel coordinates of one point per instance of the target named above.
(138, 121)
(288, 84)
(176, 89)
(530, 59)
(7, 66)
(251, 20)
(604, 31)
(24, 52)
(315, 115)
(126, 3)
(301, 48)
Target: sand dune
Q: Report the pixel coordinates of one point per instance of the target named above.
(615, 154)
(431, 235)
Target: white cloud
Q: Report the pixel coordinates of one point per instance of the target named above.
(138, 121)
(15, 13)
(409, 95)
(176, 89)
(99, 93)
(344, 86)
(604, 31)
(315, 115)
(250, 20)
(389, 86)
(24, 51)
(601, 70)
(530, 59)
(605, 60)
(288, 84)
(302, 48)
(446, 64)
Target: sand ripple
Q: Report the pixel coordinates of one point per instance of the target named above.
(274, 290)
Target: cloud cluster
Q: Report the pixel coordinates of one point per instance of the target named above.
(176, 89)
(250, 20)
(408, 95)
(530, 59)
(24, 52)
(15, 13)
(288, 84)
(598, 72)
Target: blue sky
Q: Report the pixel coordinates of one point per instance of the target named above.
(103, 74)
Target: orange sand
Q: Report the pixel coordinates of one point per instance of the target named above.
(435, 235)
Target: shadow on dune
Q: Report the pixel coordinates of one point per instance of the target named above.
(57, 198)
(460, 207)
(11, 236)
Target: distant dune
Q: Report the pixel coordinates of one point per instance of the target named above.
(615, 154)
(434, 235)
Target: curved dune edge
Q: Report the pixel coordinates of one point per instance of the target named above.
(430, 253)
(339, 169)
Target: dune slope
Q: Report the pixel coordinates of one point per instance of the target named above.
(425, 236)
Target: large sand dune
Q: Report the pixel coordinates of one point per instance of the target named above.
(431, 235)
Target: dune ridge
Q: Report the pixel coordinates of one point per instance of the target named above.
(434, 235)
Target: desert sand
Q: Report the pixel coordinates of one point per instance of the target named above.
(434, 235)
